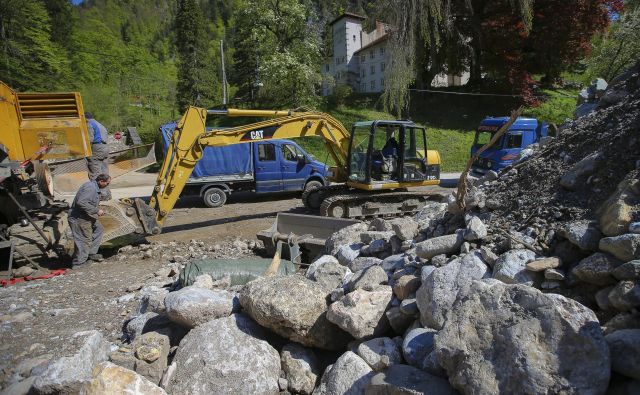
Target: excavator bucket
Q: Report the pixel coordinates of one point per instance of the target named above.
(65, 177)
(303, 235)
(125, 216)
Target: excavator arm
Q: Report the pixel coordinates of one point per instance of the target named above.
(190, 138)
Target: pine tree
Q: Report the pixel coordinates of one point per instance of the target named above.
(195, 72)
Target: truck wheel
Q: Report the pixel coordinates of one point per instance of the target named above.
(214, 197)
(310, 200)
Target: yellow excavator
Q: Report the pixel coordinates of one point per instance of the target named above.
(375, 165)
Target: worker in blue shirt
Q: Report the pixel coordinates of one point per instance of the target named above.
(97, 163)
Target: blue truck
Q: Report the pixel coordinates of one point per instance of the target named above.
(262, 167)
(523, 132)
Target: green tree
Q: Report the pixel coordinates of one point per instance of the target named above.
(31, 61)
(617, 49)
(287, 50)
(195, 72)
(63, 22)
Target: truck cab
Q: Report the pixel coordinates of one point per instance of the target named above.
(523, 132)
(267, 166)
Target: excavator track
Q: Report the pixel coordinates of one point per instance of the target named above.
(313, 198)
(365, 204)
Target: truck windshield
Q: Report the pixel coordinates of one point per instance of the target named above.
(482, 138)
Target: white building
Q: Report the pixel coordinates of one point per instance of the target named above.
(360, 59)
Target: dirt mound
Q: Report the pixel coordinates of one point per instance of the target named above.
(591, 157)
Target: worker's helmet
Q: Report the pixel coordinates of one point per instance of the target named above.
(88, 115)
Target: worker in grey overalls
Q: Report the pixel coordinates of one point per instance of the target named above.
(83, 220)
(98, 163)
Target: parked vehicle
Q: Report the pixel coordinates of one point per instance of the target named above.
(523, 132)
(263, 167)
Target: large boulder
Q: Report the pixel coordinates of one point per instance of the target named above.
(440, 245)
(625, 295)
(440, 288)
(380, 353)
(192, 306)
(504, 338)
(578, 174)
(417, 344)
(322, 260)
(596, 269)
(330, 275)
(367, 278)
(345, 236)
(226, 356)
(616, 214)
(300, 367)
(625, 352)
(349, 375)
(407, 380)
(511, 267)
(405, 228)
(625, 247)
(67, 374)
(295, 308)
(361, 312)
(109, 378)
(627, 271)
(583, 234)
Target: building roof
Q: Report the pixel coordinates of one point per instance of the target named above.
(373, 43)
(348, 14)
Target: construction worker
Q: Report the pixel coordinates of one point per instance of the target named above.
(97, 163)
(83, 220)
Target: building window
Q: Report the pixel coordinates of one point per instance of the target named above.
(382, 66)
(373, 69)
(381, 50)
(363, 87)
(327, 68)
(363, 72)
(354, 38)
(373, 85)
(381, 83)
(372, 54)
(363, 58)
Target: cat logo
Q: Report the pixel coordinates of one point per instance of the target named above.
(257, 134)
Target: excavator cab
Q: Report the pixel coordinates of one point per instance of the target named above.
(389, 155)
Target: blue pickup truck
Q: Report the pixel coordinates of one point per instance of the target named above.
(262, 167)
(523, 132)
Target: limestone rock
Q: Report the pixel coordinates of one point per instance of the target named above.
(345, 236)
(406, 286)
(405, 228)
(324, 259)
(627, 271)
(582, 234)
(529, 342)
(367, 278)
(616, 213)
(625, 352)
(417, 344)
(476, 230)
(625, 295)
(361, 313)
(203, 281)
(192, 306)
(371, 236)
(349, 375)
(404, 379)
(380, 353)
(578, 174)
(300, 367)
(540, 265)
(439, 290)
(511, 267)
(226, 356)
(109, 378)
(625, 247)
(363, 262)
(348, 253)
(622, 321)
(152, 300)
(440, 245)
(399, 321)
(67, 374)
(152, 352)
(295, 308)
(596, 269)
(330, 275)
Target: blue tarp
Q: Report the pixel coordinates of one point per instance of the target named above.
(216, 161)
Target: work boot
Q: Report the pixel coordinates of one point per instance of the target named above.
(75, 265)
(96, 257)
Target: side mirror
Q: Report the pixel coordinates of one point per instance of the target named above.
(301, 158)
